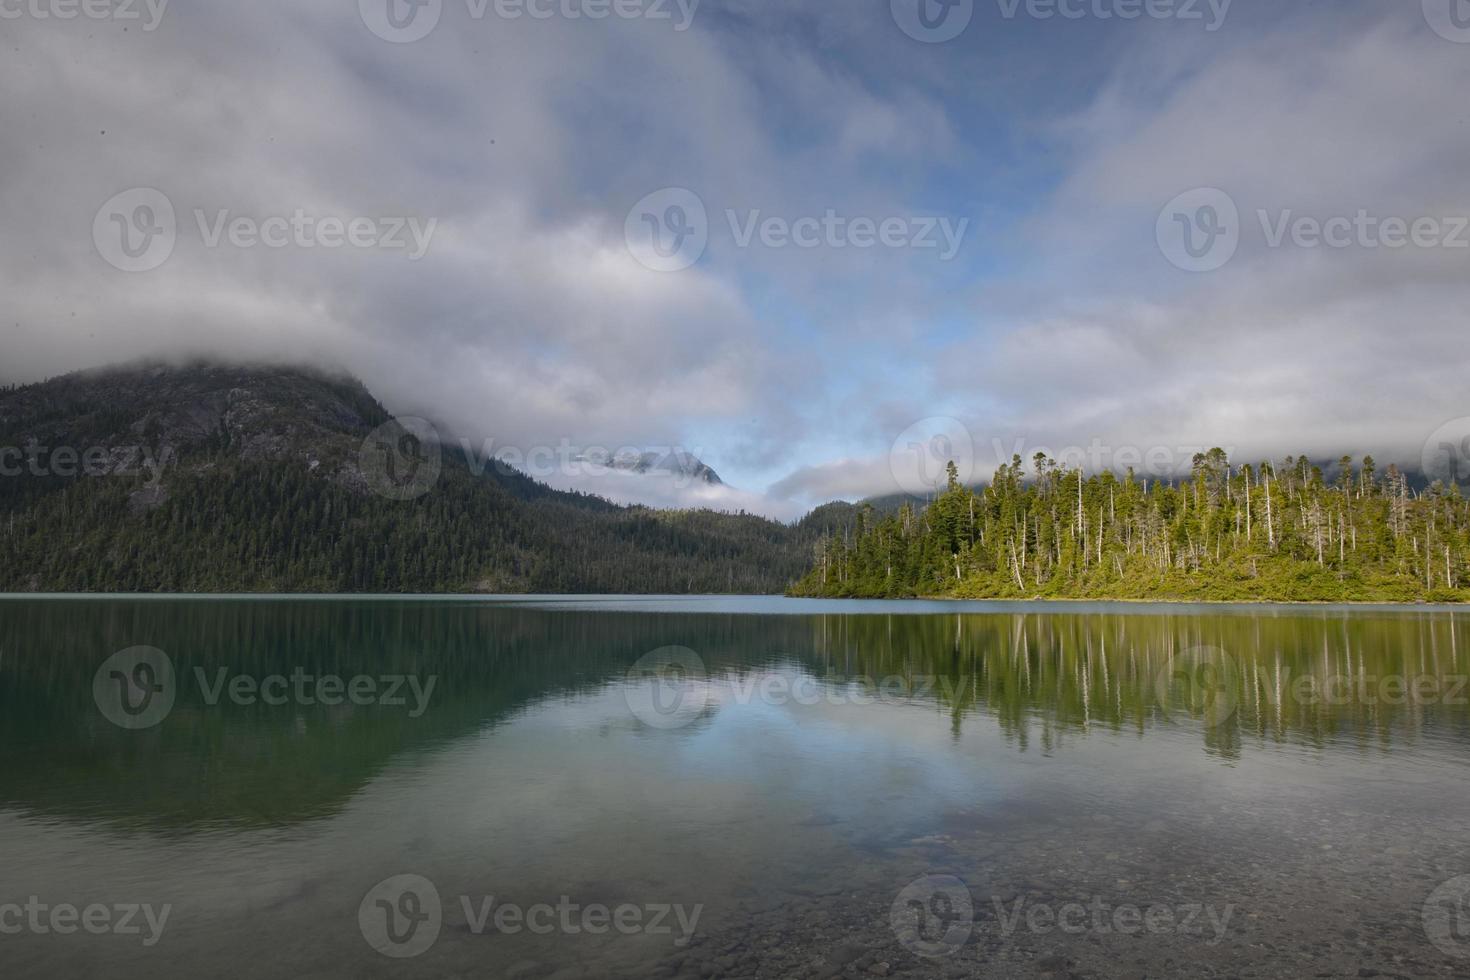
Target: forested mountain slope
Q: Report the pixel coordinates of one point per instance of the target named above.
(210, 478)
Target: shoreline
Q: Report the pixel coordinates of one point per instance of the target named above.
(1216, 602)
(535, 598)
(1174, 601)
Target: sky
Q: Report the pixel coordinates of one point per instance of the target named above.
(822, 246)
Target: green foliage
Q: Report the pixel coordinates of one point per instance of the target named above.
(1266, 532)
(262, 492)
(238, 526)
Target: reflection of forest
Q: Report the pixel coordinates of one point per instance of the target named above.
(266, 765)
(1308, 674)
(1042, 676)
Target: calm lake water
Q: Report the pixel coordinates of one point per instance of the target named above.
(730, 787)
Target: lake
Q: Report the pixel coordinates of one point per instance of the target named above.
(589, 787)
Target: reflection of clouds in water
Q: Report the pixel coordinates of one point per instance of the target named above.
(533, 775)
(1040, 771)
(666, 689)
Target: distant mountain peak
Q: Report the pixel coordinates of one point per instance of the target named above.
(673, 462)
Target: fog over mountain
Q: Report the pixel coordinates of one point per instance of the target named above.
(878, 229)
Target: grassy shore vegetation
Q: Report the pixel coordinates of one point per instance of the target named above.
(1268, 532)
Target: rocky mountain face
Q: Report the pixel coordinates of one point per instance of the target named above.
(263, 410)
(210, 477)
(160, 419)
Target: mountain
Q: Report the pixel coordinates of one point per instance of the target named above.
(215, 478)
(674, 463)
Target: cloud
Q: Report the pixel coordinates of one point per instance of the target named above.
(526, 141)
(843, 479)
(1285, 349)
(529, 321)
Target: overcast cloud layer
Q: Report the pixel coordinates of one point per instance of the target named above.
(1016, 269)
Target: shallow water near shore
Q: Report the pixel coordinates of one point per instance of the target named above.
(629, 786)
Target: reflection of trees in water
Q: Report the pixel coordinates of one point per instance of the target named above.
(1045, 678)
(261, 764)
(1307, 675)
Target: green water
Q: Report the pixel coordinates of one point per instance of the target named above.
(837, 788)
